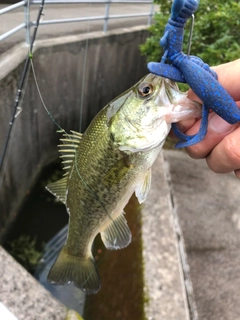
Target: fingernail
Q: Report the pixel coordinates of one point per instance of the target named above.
(219, 125)
(237, 173)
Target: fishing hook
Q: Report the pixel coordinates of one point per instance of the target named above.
(193, 71)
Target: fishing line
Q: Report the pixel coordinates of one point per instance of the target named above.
(81, 117)
(96, 264)
(107, 253)
(83, 82)
(190, 34)
(84, 74)
(20, 94)
(61, 130)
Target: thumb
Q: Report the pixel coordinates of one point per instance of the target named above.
(217, 130)
(218, 125)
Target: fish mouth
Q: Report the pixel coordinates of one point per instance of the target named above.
(184, 109)
(176, 103)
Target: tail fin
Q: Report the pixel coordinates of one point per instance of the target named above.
(82, 272)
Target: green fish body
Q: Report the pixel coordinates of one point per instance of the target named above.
(104, 166)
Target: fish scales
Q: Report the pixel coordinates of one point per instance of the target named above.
(108, 172)
(110, 161)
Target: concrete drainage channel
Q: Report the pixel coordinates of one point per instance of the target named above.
(58, 66)
(184, 194)
(166, 284)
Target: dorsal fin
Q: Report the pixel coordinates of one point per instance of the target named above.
(76, 134)
(68, 149)
(58, 189)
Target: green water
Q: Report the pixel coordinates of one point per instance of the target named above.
(40, 218)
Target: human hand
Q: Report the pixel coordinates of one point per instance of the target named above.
(221, 145)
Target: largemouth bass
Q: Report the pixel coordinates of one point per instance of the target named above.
(105, 165)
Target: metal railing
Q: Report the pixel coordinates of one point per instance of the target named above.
(27, 24)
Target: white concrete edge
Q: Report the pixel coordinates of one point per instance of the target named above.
(155, 309)
(5, 314)
(190, 305)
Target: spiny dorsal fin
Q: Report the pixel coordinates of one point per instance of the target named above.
(117, 235)
(76, 134)
(58, 189)
(68, 149)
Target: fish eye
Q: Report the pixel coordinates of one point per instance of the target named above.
(145, 89)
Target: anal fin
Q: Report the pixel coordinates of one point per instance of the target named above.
(117, 235)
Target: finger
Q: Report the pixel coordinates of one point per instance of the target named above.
(192, 96)
(237, 173)
(225, 157)
(228, 74)
(183, 126)
(217, 130)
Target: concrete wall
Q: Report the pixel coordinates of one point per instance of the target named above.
(112, 64)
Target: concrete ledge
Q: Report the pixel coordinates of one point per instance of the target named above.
(13, 57)
(208, 207)
(23, 295)
(163, 271)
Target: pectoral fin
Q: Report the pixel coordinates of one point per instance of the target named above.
(117, 235)
(143, 187)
